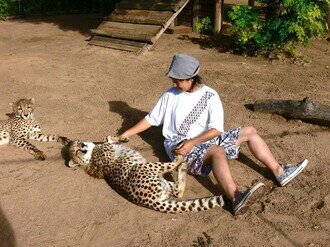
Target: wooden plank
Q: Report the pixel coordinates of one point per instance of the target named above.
(113, 45)
(159, 5)
(166, 25)
(101, 39)
(145, 49)
(128, 31)
(218, 16)
(140, 16)
(196, 8)
(109, 32)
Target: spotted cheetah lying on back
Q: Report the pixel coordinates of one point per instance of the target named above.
(22, 126)
(139, 181)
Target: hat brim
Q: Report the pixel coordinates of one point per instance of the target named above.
(171, 75)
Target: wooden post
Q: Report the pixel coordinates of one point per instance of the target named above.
(218, 16)
(195, 13)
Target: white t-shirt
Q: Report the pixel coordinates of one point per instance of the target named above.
(186, 115)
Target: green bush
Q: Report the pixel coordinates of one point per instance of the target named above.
(298, 22)
(205, 26)
(26, 7)
(8, 6)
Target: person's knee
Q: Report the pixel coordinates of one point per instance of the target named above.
(249, 131)
(215, 152)
(218, 152)
(247, 134)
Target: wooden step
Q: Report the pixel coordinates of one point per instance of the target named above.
(119, 44)
(137, 16)
(159, 5)
(137, 32)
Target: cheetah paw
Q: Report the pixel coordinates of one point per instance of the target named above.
(116, 139)
(179, 159)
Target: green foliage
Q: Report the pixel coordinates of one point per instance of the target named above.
(285, 133)
(205, 26)
(246, 25)
(298, 22)
(8, 6)
(26, 7)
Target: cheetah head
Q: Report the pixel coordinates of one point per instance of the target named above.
(23, 108)
(80, 153)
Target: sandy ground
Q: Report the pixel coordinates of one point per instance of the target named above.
(87, 92)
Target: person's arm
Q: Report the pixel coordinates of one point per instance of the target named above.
(185, 147)
(154, 118)
(136, 129)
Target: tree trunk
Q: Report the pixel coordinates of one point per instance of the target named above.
(305, 110)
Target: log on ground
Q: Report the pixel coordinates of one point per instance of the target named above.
(305, 110)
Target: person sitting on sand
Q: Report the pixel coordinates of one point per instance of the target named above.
(193, 125)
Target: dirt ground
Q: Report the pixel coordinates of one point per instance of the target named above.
(88, 92)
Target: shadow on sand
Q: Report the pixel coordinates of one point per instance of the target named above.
(153, 136)
(7, 237)
(81, 23)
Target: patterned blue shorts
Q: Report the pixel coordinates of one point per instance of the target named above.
(195, 159)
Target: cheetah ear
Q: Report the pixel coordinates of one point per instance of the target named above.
(72, 164)
(32, 100)
(11, 105)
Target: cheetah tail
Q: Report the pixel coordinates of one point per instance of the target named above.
(193, 205)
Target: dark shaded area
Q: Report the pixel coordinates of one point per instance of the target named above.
(207, 183)
(249, 107)
(28, 7)
(7, 236)
(65, 154)
(78, 15)
(223, 42)
(81, 23)
(153, 136)
(10, 114)
(265, 172)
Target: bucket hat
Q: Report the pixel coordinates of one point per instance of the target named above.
(183, 67)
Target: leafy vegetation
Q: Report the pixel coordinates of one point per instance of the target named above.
(282, 29)
(205, 26)
(285, 133)
(26, 7)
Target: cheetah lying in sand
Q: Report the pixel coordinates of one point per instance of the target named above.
(22, 126)
(139, 181)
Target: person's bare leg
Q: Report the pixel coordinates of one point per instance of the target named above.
(259, 149)
(216, 156)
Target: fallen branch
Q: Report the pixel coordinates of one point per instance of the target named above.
(304, 110)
